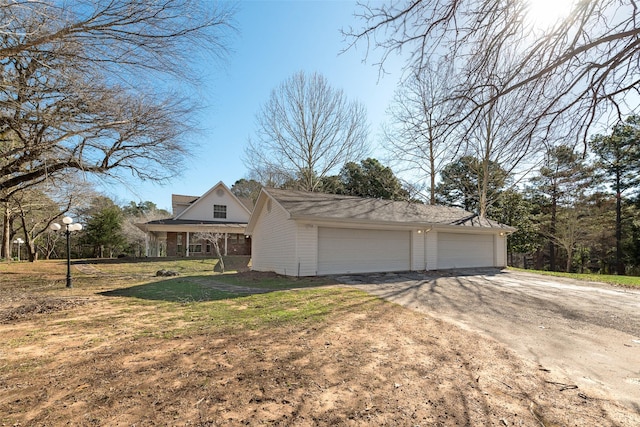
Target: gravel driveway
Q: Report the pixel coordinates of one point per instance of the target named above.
(586, 333)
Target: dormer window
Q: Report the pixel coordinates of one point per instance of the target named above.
(220, 211)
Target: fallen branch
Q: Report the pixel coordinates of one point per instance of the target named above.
(563, 386)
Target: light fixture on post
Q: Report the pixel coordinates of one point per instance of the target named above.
(19, 241)
(69, 226)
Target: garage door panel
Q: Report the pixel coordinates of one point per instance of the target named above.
(362, 251)
(459, 250)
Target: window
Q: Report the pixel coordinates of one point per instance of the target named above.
(236, 238)
(195, 248)
(219, 211)
(179, 244)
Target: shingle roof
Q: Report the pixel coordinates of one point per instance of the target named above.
(304, 205)
(192, 222)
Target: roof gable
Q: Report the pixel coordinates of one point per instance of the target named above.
(202, 208)
(180, 202)
(302, 205)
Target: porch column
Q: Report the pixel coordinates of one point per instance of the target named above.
(225, 243)
(187, 247)
(146, 244)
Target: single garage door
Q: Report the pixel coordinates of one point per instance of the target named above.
(342, 250)
(457, 250)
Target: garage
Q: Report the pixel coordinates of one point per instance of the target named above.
(458, 250)
(343, 250)
(299, 233)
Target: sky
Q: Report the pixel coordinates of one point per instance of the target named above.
(275, 40)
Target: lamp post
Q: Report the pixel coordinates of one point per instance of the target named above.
(69, 226)
(18, 241)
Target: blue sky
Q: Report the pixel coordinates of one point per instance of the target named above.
(275, 40)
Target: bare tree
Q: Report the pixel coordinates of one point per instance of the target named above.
(213, 238)
(577, 70)
(570, 232)
(121, 36)
(500, 132)
(422, 137)
(135, 213)
(306, 130)
(78, 91)
(37, 207)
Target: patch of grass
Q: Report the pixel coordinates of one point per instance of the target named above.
(184, 266)
(268, 310)
(173, 290)
(272, 281)
(29, 338)
(630, 281)
(193, 303)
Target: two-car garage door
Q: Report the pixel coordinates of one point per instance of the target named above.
(343, 250)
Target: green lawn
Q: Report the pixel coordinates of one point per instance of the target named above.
(631, 281)
(198, 300)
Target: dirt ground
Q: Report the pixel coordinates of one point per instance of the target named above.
(383, 366)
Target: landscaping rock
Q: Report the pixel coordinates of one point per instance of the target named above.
(166, 273)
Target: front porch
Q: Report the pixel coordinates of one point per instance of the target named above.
(184, 238)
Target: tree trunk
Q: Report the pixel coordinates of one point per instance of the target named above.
(29, 244)
(216, 246)
(619, 265)
(569, 256)
(432, 169)
(552, 231)
(6, 232)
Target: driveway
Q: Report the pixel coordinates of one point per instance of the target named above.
(586, 333)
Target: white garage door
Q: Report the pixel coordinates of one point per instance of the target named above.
(457, 250)
(342, 250)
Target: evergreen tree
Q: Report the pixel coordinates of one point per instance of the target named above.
(461, 182)
(561, 183)
(104, 227)
(517, 211)
(369, 178)
(246, 188)
(619, 162)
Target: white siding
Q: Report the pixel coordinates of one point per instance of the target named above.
(307, 250)
(501, 251)
(464, 250)
(202, 209)
(431, 250)
(273, 243)
(418, 256)
(343, 250)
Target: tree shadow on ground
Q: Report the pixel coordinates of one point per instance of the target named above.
(182, 289)
(240, 260)
(213, 287)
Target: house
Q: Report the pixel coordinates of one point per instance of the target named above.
(297, 233)
(216, 211)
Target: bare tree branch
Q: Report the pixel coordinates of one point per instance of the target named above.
(77, 89)
(306, 130)
(580, 69)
